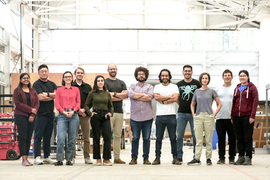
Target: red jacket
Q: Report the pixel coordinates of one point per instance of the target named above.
(245, 103)
(21, 107)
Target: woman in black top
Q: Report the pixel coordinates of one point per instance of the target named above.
(27, 104)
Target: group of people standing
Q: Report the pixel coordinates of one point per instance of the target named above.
(101, 107)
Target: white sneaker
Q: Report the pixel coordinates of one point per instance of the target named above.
(88, 161)
(48, 160)
(38, 161)
(73, 161)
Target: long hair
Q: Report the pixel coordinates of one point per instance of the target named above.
(20, 85)
(201, 76)
(170, 76)
(95, 88)
(63, 82)
(245, 72)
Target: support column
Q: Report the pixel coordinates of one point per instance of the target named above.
(264, 58)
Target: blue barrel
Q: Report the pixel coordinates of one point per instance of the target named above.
(215, 139)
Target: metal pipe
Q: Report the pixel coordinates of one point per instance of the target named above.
(21, 49)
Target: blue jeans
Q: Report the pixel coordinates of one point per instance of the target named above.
(182, 120)
(43, 129)
(66, 125)
(136, 128)
(161, 123)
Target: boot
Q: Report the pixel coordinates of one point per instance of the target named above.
(247, 161)
(133, 161)
(156, 161)
(176, 161)
(146, 161)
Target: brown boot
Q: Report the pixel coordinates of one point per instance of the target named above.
(176, 161)
(107, 162)
(133, 161)
(146, 161)
(156, 161)
(119, 161)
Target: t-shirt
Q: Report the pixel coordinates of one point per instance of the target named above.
(46, 107)
(186, 91)
(225, 95)
(169, 90)
(116, 86)
(242, 87)
(204, 100)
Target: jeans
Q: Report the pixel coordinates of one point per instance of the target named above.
(223, 126)
(137, 127)
(244, 132)
(98, 122)
(117, 125)
(161, 123)
(206, 122)
(65, 126)
(43, 129)
(182, 120)
(25, 129)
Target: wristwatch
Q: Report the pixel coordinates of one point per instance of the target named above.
(114, 94)
(48, 94)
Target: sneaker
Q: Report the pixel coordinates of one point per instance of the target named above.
(208, 162)
(107, 162)
(221, 161)
(133, 161)
(69, 163)
(119, 161)
(156, 161)
(25, 163)
(99, 163)
(38, 161)
(30, 164)
(240, 160)
(58, 163)
(176, 161)
(87, 161)
(194, 162)
(231, 161)
(247, 161)
(146, 161)
(48, 160)
(73, 161)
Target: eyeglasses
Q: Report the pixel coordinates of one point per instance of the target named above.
(113, 69)
(67, 77)
(25, 78)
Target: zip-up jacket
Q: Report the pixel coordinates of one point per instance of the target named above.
(245, 103)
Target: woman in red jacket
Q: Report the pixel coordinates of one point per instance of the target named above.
(245, 102)
(27, 104)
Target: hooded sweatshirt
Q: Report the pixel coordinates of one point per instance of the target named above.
(245, 103)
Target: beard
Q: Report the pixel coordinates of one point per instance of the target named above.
(141, 80)
(112, 74)
(164, 80)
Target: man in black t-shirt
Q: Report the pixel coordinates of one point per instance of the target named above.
(186, 90)
(118, 91)
(83, 116)
(46, 91)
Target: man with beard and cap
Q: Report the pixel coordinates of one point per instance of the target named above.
(141, 114)
(166, 94)
(118, 91)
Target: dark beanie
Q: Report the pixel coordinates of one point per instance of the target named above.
(246, 72)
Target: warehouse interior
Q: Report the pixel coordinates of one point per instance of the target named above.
(210, 35)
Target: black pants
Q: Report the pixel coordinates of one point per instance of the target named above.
(25, 129)
(98, 122)
(43, 129)
(244, 131)
(223, 126)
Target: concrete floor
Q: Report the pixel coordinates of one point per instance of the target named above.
(259, 170)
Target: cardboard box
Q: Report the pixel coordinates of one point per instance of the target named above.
(127, 121)
(187, 135)
(100, 145)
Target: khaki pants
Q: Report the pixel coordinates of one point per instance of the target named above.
(85, 126)
(117, 125)
(206, 122)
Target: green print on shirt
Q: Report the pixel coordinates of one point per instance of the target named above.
(186, 91)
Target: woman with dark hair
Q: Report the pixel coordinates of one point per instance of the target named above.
(27, 104)
(100, 100)
(245, 102)
(204, 118)
(67, 102)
